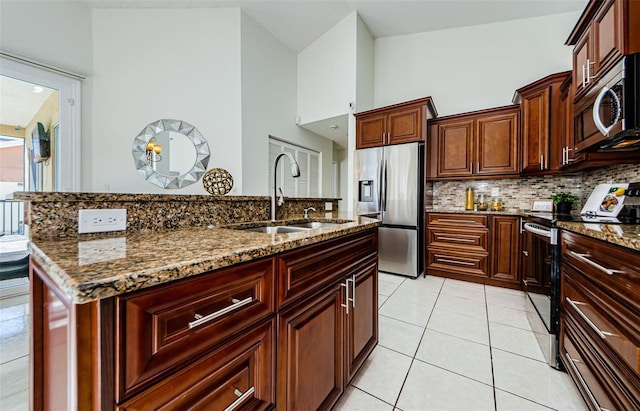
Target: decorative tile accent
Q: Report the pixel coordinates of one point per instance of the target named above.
(518, 193)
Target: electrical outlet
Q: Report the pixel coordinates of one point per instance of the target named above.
(99, 221)
(495, 191)
(328, 206)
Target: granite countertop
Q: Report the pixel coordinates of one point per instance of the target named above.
(625, 235)
(95, 267)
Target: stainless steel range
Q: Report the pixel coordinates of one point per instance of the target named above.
(541, 256)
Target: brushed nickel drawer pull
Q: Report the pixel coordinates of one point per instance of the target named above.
(444, 260)
(457, 221)
(585, 318)
(460, 240)
(582, 381)
(347, 299)
(353, 290)
(241, 398)
(236, 304)
(584, 258)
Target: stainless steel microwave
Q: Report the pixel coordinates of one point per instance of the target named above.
(609, 118)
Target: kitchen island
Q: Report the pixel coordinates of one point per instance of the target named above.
(205, 317)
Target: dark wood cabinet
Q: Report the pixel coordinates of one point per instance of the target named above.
(310, 347)
(396, 124)
(474, 145)
(535, 272)
(474, 247)
(600, 321)
(505, 248)
(606, 30)
(287, 332)
(325, 336)
(543, 124)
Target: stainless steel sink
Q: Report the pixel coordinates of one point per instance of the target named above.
(277, 229)
(314, 224)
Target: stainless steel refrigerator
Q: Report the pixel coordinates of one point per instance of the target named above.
(390, 183)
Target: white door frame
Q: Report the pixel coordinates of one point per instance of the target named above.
(67, 166)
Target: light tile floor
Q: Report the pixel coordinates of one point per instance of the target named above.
(453, 345)
(444, 345)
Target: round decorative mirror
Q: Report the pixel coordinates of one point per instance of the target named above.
(171, 153)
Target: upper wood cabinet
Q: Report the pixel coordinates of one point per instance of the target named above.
(474, 145)
(399, 123)
(543, 124)
(605, 31)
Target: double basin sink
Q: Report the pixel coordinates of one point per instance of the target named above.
(291, 228)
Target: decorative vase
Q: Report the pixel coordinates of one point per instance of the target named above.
(563, 207)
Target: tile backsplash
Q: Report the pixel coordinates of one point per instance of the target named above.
(518, 193)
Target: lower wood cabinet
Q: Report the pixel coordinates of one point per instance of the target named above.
(285, 332)
(600, 321)
(240, 374)
(474, 247)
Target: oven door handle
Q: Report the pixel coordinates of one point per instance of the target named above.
(537, 230)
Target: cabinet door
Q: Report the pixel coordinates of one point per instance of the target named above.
(505, 250)
(362, 321)
(534, 271)
(310, 351)
(406, 125)
(535, 131)
(582, 55)
(455, 148)
(371, 130)
(497, 143)
(607, 36)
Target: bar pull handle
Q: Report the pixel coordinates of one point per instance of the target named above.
(585, 318)
(541, 161)
(241, 397)
(585, 259)
(347, 299)
(455, 239)
(445, 260)
(584, 75)
(582, 381)
(564, 155)
(353, 290)
(200, 319)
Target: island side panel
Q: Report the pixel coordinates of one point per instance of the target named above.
(64, 350)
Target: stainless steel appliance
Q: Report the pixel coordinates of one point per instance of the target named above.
(610, 120)
(390, 184)
(541, 256)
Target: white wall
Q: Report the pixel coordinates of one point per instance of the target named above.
(269, 108)
(154, 64)
(471, 68)
(327, 73)
(57, 33)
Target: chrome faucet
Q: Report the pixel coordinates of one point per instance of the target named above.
(295, 172)
(305, 212)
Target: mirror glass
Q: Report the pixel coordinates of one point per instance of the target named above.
(171, 153)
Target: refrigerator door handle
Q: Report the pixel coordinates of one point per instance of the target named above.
(380, 173)
(383, 196)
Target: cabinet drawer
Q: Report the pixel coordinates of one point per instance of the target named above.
(611, 267)
(582, 364)
(163, 328)
(304, 270)
(458, 220)
(471, 240)
(457, 261)
(239, 374)
(600, 317)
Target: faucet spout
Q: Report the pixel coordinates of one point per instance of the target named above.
(295, 172)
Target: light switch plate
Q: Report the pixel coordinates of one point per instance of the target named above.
(328, 206)
(495, 191)
(102, 220)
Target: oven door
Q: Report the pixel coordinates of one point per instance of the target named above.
(541, 283)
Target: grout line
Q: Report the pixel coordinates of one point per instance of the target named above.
(395, 405)
(493, 376)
